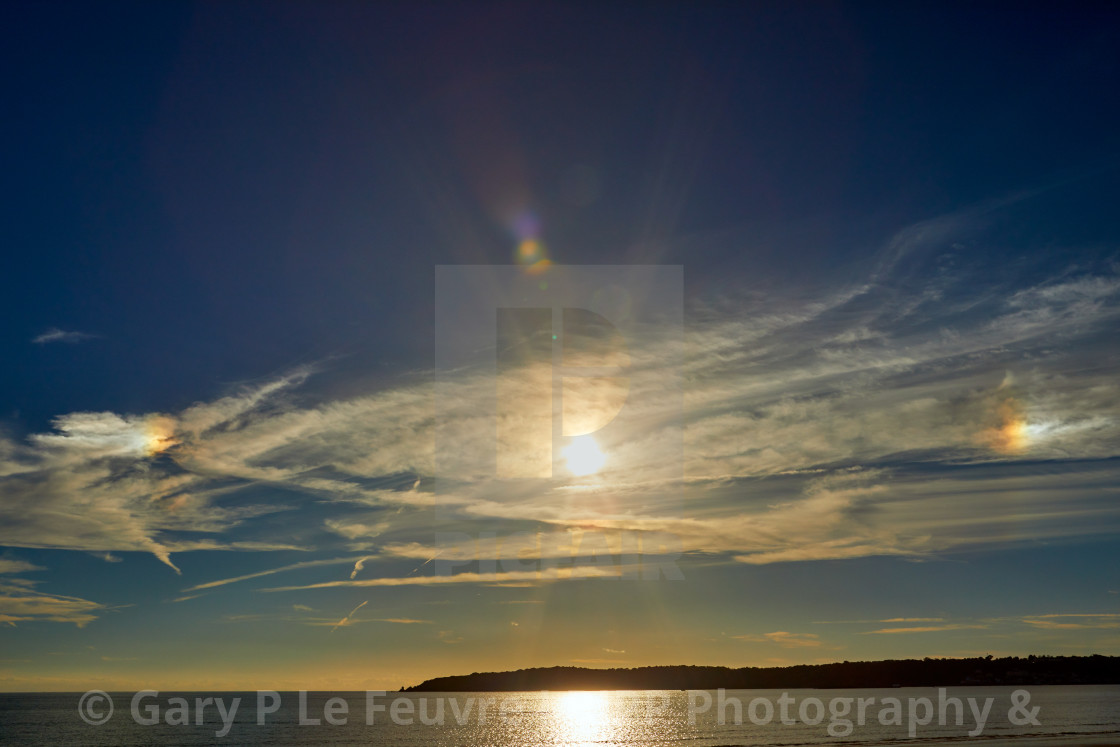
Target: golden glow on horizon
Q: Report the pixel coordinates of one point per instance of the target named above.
(584, 456)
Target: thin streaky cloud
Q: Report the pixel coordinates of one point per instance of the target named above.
(271, 571)
(346, 620)
(23, 605)
(814, 388)
(401, 621)
(8, 565)
(1055, 625)
(351, 621)
(551, 574)
(913, 620)
(783, 638)
(923, 629)
(54, 334)
(187, 598)
(1079, 614)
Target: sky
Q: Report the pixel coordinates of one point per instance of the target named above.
(830, 295)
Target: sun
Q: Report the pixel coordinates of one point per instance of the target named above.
(584, 456)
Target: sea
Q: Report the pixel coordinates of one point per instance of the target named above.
(994, 715)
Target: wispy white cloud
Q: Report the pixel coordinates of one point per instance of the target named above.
(271, 571)
(401, 621)
(469, 577)
(355, 621)
(186, 598)
(54, 334)
(784, 639)
(889, 417)
(912, 620)
(9, 565)
(358, 566)
(1074, 621)
(19, 604)
(346, 620)
(924, 629)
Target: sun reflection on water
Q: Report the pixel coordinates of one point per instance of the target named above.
(582, 717)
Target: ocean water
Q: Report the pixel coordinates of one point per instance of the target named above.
(1066, 714)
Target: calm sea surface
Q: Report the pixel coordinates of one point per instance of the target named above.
(1066, 714)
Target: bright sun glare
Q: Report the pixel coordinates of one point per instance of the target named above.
(582, 707)
(584, 456)
(582, 717)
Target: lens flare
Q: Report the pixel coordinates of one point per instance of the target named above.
(532, 256)
(159, 432)
(1012, 434)
(530, 253)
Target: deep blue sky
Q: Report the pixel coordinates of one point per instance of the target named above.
(208, 196)
(222, 189)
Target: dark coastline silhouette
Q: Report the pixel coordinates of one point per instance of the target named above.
(1031, 670)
